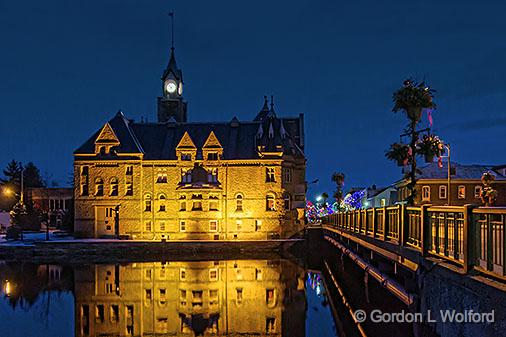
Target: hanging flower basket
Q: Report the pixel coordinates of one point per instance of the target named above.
(412, 98)
(429, 147)
(414, 113)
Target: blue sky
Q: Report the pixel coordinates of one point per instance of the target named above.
(68, 66)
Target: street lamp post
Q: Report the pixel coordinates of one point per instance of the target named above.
(449, 177)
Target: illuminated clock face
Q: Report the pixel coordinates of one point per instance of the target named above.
(170, 87)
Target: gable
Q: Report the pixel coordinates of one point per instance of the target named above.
(186, 142)
(107, 135)
(212, 142)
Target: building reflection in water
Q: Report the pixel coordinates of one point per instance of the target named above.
(242, 297)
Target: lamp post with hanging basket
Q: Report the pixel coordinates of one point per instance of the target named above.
(411, 98)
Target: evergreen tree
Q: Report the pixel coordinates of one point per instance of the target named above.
(32, 176)
(12, 173)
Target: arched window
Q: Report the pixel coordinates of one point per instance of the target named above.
(238, 203)
(114, 187)
(99, 187)
(162, 198)
(287, 199)
(147, 203)
(270, 203)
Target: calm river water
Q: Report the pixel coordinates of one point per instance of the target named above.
(176, 298)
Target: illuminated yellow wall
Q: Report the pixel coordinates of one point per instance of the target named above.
(245, 177)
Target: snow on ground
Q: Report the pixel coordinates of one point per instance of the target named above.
(31, 237)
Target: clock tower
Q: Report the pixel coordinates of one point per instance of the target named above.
(171, 104)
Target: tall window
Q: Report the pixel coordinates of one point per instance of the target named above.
(129, 189)
(213, 225)
(270, 205)
(461, 192)
(271, 177)
(162, 226)
(84, 188)
(186, 176)
(258, 225)
(238, 203)
(148, 226)
(270, 325)
(84, 170)
(213, 203)
(212, 176)
(129, 170)
(182, 226)
(287, 201)
(147, 203)
(197, 202)
(99, 187)
(477, 191)
(426, 193)
(162, 198)
(443, 192)
(114, 187)
(182, 203)
(287, 174)
(238, 224)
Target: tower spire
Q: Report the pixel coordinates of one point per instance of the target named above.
(171, 14)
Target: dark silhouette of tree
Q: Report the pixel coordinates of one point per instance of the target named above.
(338, 179)
(32, 176)
(12, 172)
(325, 196)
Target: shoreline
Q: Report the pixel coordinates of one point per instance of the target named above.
(102, 251)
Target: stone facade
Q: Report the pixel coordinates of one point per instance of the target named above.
(236, 298)
(175, 180)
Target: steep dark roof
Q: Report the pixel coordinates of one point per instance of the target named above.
(121, 126)
(158, 141)
(467, 172)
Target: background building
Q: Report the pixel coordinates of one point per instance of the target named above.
(179, 180)
(53, 201)
(466, 185)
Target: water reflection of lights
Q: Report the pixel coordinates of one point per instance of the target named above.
(7, 288)
(315, 282)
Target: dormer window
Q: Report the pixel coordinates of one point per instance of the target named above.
(212, 156)
(186, 156)
(212, 176)
(187, 177)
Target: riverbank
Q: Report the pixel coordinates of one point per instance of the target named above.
(107, 250)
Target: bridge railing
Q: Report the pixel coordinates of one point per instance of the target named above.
(472, 237)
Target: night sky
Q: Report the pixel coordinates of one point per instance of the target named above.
(67, 66)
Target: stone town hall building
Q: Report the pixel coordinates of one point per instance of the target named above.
(179, 180)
